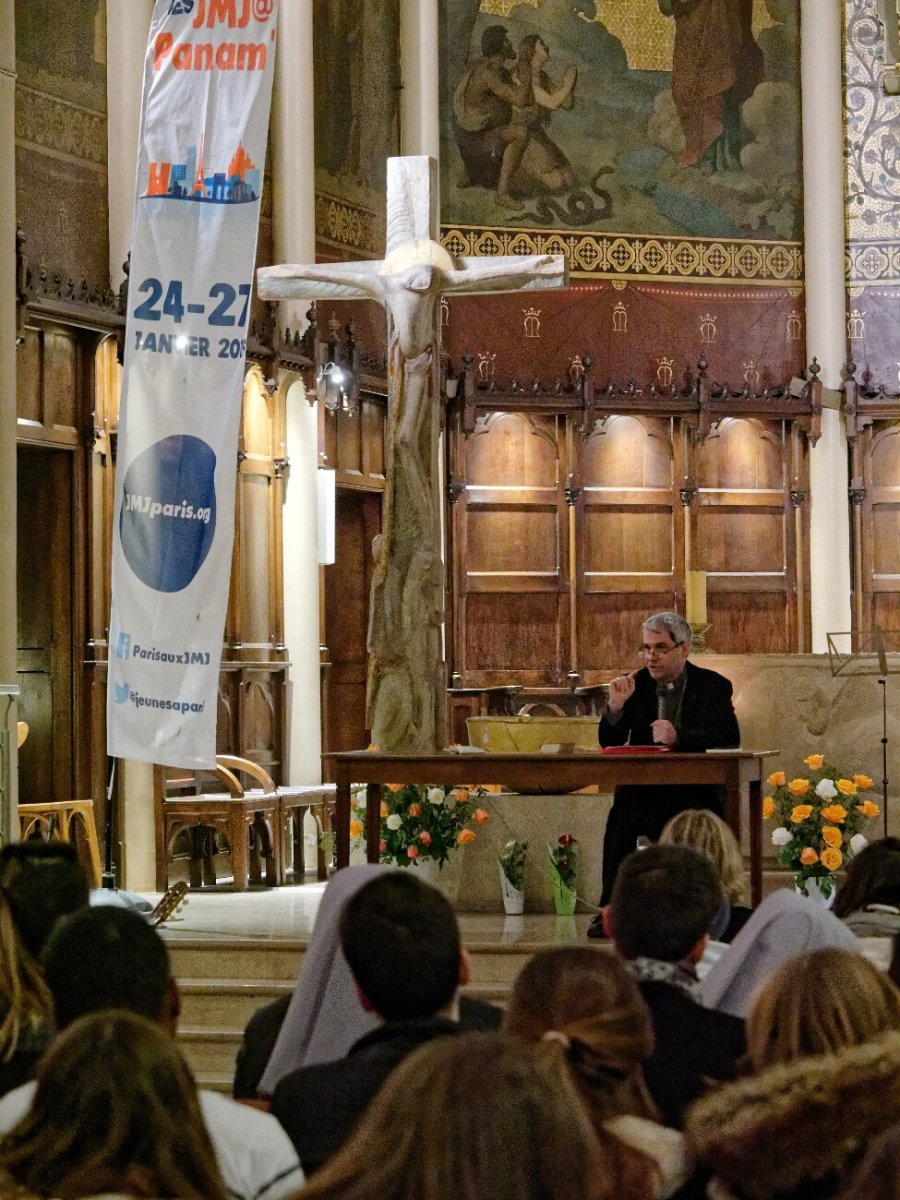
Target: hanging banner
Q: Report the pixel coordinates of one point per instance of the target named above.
(204, 122)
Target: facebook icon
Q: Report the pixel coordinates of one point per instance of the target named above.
(123, 646)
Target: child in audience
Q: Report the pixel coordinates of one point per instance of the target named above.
(664, 901)
(473, 1117)
(115, 1110)
(705, 831)
(823, 1038)
(591, 1005)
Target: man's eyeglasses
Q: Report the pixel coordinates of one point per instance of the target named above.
(658, 651)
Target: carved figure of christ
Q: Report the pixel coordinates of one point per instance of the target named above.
(405, 692)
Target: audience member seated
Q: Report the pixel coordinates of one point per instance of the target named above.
(473, 1117)
(39, 883)
(110, 958)
(401, 941)
(878, 1175)
(705, 831)
(114, 1110)
(323, 1018)
(591, 1005)
(785, 924)
(664, 900)
(823, 1038)
(868, 901)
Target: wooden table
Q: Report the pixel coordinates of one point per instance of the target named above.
(550, 774)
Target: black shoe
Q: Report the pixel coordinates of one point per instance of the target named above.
(595, 929)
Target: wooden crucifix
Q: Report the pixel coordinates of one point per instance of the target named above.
(406, 686)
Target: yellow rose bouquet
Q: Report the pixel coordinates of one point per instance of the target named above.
(819, 816)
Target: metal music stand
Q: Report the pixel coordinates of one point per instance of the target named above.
(868, 656)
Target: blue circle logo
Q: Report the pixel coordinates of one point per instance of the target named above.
(168, 516)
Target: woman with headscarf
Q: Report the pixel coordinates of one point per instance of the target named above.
(785, 924)
(324, 1017)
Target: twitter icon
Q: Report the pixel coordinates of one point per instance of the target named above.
(122, 690)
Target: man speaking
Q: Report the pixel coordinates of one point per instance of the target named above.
(668, 702)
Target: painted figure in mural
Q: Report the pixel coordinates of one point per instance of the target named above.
(544, 167)
(500, 117)
(490, 142)
(716, 66)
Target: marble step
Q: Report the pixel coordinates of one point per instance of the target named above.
(250, 960)
(210, 1049)
(229, 1004)
(235, 957)
(215, 1013)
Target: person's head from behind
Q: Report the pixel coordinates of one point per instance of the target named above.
(401, 940)
(40, 882)
(706, 832)
(469, 1117)
(110, 958)
(589, 1001)
(115, 1110)
(663, 904)
(495, 43)
(819, 1003)
(873, 877)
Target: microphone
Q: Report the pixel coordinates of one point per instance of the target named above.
(662, 696)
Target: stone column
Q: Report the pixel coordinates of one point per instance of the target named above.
(8, 710)
(127, 29)
(826, 334)
(293, 168)
(419, 72)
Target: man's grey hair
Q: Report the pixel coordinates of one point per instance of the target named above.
(671, 623)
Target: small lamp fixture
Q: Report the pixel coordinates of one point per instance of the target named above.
(337, 373)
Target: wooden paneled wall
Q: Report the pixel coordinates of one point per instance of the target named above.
(562, 541)
(352, 444)
(873, 430)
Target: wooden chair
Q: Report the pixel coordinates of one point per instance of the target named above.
(250, 821)
(296, 801)
(69, 821)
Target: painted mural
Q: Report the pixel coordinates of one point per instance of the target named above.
(61, 137)
(357, 79)
(873, 201)
(674, 124)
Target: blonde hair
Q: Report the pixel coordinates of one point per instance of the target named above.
(708, 834)
(819, 1003)
(471, 1116)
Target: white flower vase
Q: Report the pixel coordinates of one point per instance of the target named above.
(446, 876)
(815, 893)
(513, 897)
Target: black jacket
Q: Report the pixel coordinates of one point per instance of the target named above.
(320, 1106)
(707, 719)
(693, 1045)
